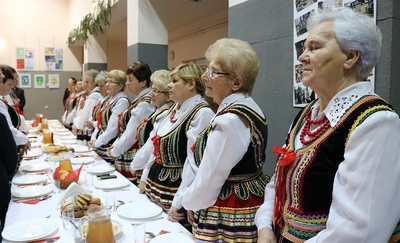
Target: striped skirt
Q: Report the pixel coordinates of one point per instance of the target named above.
(123, 163)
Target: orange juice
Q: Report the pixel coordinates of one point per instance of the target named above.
(65, 164)
(65, 161)
(100, 230)
(46, 136)
(45, 126)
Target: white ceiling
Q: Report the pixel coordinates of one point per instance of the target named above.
(180, 12)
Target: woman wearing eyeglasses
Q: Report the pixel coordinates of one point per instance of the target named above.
(125, 147)
(172, 141)
(225, 185)
(160, 99)
(106, 114)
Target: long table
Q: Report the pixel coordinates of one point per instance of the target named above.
(50, 207)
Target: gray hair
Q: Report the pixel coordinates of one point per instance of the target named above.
(353, 32)
(101, 77)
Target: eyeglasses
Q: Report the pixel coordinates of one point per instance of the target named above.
(212, 72)
(155, 91)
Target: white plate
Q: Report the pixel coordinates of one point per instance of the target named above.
(80, 160)
(32, 191)
(113, 183)
(81, 148)
(139, 210)
(29, 229)
(117, 228)
(63, 133)
(69, 141)
(67, 137)
(173, 238)
(57, 130)
(35, 167)
(33, 153)
(100, 169)
(29, 179)
(36, 144)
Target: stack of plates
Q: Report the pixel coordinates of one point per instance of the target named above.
(100, 169)
(33, 153)
(111, 184)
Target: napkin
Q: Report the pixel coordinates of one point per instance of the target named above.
(31, 200)
(73, 190)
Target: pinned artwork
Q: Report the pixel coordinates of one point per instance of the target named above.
(54, 81)
(25, 80)
(40, 81)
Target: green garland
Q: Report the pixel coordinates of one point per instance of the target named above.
(92, 23)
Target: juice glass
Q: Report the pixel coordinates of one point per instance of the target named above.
(47, 136)
(65, 161)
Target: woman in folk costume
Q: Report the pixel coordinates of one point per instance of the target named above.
(106, 113)
(12, 116)
(338, 175)
(160, 99)
(172, 141)
(70, 101)
(76, 103)
(224, 187)
(84, 111)
(125, 147)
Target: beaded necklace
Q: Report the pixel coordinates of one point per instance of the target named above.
(313, 135)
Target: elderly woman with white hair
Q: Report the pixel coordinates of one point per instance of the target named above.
(337, 176)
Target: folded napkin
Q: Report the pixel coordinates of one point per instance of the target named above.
(73, 190)
(44, 240)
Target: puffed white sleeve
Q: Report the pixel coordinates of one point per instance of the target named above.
(112, 126)
(226, 144)
(19, 137)
(265, 213)
(199, 122)
(366, 194)
(142, 111)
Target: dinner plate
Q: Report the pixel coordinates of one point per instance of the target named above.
(112, 183)
(57, 130)
(33, 153)
(80, 160)
(63, 133)
(67, 137)
(29, 179)
(32, 191)
(36, 144)
(35, 167)
(100, 169)
(81, 148)
(173, 238)
(138, 210)
(69, 141)
(29, 229)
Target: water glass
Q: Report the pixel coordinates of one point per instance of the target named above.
(68, 218)
(139, 233)
(110, 202)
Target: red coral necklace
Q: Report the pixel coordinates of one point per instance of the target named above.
(313, 135)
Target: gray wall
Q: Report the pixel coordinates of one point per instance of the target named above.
(268, 26)
(38, 99)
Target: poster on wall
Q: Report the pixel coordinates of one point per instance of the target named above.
(24, 58)
(302, 10)
(39, 81)
(25, 80)
(53, 58)
(54, 81)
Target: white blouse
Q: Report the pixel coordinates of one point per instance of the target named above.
(366, 185)
(19, 137)
(87, 109)
(143, 154)
(112, 125)
(199, 122)
(226, 144)
(128, 138)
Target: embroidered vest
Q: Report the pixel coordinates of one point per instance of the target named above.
(144, 128)
(308, 181)
(126, 115)
(245, 178)
(172, 150)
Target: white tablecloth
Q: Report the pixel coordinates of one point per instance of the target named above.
(51, 208)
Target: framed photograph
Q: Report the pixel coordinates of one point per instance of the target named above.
(40, 81)
(54, 81)
(25, 80)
